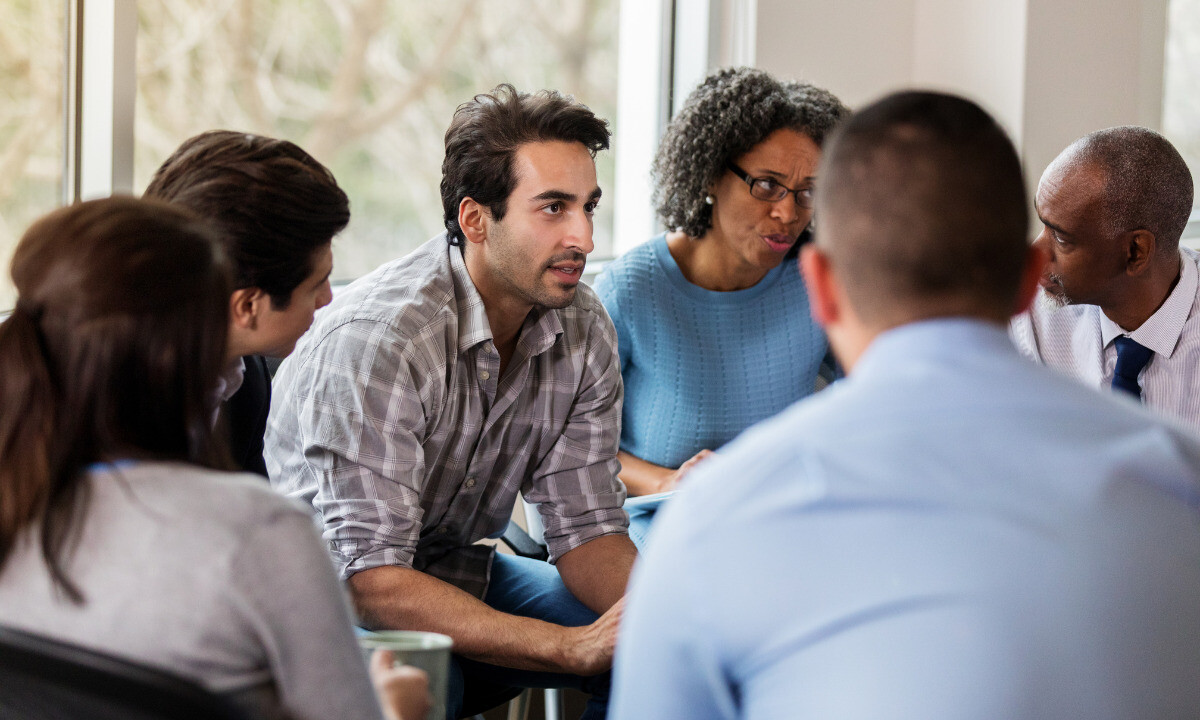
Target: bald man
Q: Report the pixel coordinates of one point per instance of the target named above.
(951, 531)
(1120, 306)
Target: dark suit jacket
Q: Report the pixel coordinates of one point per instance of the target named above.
(246, 416)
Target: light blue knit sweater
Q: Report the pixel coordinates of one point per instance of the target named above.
(701, 366)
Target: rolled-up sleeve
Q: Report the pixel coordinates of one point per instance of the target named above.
(360, 414)
(575, 487)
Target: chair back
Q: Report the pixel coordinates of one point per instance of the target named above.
(45, 679)
(533, 522)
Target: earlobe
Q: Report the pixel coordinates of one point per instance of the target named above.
(1140, 247)
(472, 220)
(820, 283)
(244, 306)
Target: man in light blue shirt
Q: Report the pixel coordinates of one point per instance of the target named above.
(950, 532)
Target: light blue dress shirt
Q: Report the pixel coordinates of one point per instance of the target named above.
(951, 532)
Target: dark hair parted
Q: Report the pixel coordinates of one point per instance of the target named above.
(728, 114)
(923, 210)
(115, 344)
(274, 205)
(1147, 182)
(484, 137)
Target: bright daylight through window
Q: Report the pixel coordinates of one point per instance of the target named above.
(1181, 101)
(31, 121)
(368, 88)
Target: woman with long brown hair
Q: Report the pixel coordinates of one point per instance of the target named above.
(118, 532)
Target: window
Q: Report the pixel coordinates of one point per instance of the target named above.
(1181, 102)
(368, 88)
(31, 121)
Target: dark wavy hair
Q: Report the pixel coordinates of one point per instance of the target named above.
(112, 352)
(274, 204)
(728, 114)
(484, 136)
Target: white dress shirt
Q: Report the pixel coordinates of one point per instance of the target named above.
(1078, 340)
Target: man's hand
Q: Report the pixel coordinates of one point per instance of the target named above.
(403, 690)
(403, 598)
(590, 648)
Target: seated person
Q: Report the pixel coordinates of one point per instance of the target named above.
(713, 325)
(1120, 305)
(433, 390)
(117, 531)
(949, 532)
(277, 210)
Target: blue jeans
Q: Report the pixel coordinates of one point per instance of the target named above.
(529, 588)
(640, 519)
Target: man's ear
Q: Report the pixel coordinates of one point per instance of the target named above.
(472, 220)
(245, 305)
(821, 285)
(1139, 246)
(1035, 264)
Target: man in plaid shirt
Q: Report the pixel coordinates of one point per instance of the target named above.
(436, 388)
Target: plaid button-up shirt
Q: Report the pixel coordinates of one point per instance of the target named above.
(391, 419)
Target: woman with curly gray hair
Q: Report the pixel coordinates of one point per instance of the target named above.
(713, 327)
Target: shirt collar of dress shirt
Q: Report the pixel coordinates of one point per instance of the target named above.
(916, 342)
(228, 383)
(1161, 332)
(230, 380)
(539, 332)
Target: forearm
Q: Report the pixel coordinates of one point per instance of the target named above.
(642, 477)
(402, 598)
(597, 572)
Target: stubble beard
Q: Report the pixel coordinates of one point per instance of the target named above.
(1058, 296)
(513, 268)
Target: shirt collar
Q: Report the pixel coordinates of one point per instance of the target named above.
(230, 380)
(1162, 331)
(473, 325)
(924, 340)
(539, 332)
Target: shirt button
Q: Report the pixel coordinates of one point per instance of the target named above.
(485, 374)
(470, 482)
(443, 530)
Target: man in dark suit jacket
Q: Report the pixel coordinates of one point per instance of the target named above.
(277, 210)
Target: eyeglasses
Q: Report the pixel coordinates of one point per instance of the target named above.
(771, 191)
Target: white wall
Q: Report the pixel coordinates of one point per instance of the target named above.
(975, 47)
(856, 48)
(1049, 70)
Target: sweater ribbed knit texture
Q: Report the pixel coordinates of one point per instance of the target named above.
(701, 366)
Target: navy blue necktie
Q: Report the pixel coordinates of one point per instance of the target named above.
(1132, 356)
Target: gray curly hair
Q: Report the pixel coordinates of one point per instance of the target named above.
(733, 110)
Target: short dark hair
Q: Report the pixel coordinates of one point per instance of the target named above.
(113, 350)
(274, 205)
(484, 137)
(733, 110)
(922, 209)
(1147, 182)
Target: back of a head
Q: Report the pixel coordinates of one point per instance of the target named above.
(922, 209)
(273, 203)
(1147, 182)
(486, 132)
(112, 351)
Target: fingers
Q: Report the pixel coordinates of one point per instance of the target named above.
(691, 463)
(381, 662)
(403, 691)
